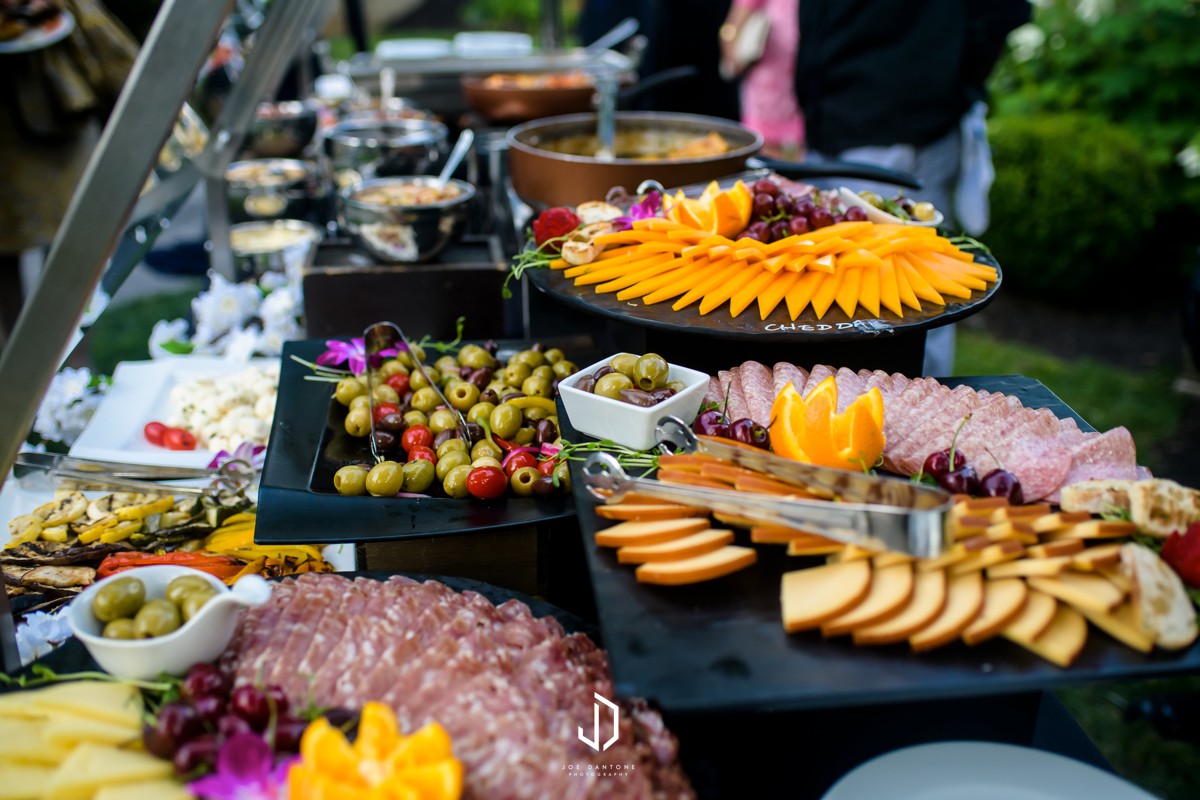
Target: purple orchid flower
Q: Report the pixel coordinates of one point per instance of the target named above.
(252, 454)
(245, 771)
(354, 352)
(649, 206)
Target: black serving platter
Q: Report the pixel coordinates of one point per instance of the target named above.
(296, 500)
(720, 646)
(833, 327)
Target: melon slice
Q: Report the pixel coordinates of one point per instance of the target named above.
(1035, 617)
(695, 544)
(1082, 590)
(928, 600)
(1062, 641)
(964, 601)
(649, 531)
(1122, 624)
(891, 589)
(1002, 601)
(649, 511)
(813, 596)
(715, 564)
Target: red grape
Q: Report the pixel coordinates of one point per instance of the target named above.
(177, 722)
(820, 218)
(765, 186)
(209, 709)
(764, 205)
(156, 742)
(855, 214)
(803, 206)
(231, 725)
(250, 704)
(200, 753)
(798, 225)
(747, 431)
(760, 231)
(278, 700)
(779, 230)
(204, 680)
(288, 731)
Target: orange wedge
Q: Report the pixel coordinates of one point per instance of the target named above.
(859, 430)
(787, 427)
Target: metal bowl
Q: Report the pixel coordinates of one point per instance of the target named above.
(278, 246)
(276, 188)
(282, 130)
(404, 234)
(376, 148)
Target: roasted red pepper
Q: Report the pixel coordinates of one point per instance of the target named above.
(1182, 553)
(217, 565)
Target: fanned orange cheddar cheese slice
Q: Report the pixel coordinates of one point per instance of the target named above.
(707, 567)
(696, 544)
(928, 600)
(650, 511)
(1003, 600)
(964, 601)
(814, 596)
(1062, 641)
(891, 589)
(649, 531)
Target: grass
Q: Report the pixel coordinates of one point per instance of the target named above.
(123, 332)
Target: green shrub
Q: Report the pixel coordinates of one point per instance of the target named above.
(1072, 206)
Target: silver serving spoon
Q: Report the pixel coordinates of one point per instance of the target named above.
(465, 140)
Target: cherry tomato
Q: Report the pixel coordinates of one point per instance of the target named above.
(178, 439)
(399, 382)
(422, 452)
(547, 467)
(487, 483)
(154, 432)
(519, 460)
(416, 436)
(383, 409)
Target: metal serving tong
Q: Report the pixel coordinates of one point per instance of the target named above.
(50, 471)
(384, 336)
(865, 510)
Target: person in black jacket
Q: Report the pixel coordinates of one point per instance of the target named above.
(901, 84)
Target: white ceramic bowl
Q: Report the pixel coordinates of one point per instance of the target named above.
(202, 638)
(881, 217)
(624, 423)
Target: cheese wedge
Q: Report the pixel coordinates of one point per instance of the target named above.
(147, 790)
(1002, 601)
(1081, 589)
(1035, 617)
(1059, 521)
(649, 531)
(1122, 624)
(1062, 641)
(927, 601)
(1064, 547)
(112, 703)
(1027, 567)
(23, 741)
(813, 596)
(1096, 529)
(891, 589)
(23, 781)
(964, 601)
(715, 564)
(67, 730)
(649, 511)
(695, 544)
(998, 553)
(91, 766)
(1027, 512)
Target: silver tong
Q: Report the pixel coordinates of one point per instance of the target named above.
(50, 471)
(864, 510)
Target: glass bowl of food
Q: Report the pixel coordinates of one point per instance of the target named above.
(405, 220)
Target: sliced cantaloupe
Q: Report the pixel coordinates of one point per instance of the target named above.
(891, 589)
(695, 544)
(1062, 641)
(1031, 567)
(1122, 624)
(628, 511)
(1082, 590)
(927, 601)
(964, 601)
(813, 596)
(1003, 600)
(711, 565)
(1035, 617)
(644, 532)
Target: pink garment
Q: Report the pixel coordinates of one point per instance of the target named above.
(768, 96)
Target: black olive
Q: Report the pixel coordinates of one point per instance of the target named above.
(489, 396)
(491, 346)
(481, 377)
(546, 431)
(586, 383)
(474, 431)
(538, 347)
(544, 485)
(511, 396)
(662, 394)
(638, 398)
(443, 437)
(384, 441)
(391, 423)
(600, 373)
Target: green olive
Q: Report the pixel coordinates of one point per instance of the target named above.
(351, 480)
(156, 618)
(426, 399)
(611, 385)
(455, 482)
(463, 395)
(521, 481)
(443, 419)
(525, 435)
(650, 372)
(480, 412)
(537, 386)
(194, 601)
(348, 389)
(676, 386)
(450, 446)
(924, 211)
(564, 369)
(475, 357)
(624, 363)
(358, 422)
(505, 420)
(184, 585)
(385, 479)
(446, 364)
(530, 357)
(385, 394)
(120, 598)
(391, 367)
(122, 628)
(514, 374)
(485, 448)
(417, 378)
(486, 461)
(554, 355)
(362, 401)
(562, 473)
(452, 459)
(544, 371)
(418, 475)
(415, 418)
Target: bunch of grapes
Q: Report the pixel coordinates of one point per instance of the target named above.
(775, 214)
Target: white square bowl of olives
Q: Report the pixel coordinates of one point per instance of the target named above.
(145, 621)
(622, 397)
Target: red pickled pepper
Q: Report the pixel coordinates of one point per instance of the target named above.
(1182, 554)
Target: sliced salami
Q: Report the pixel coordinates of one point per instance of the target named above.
(715, 393)
(737, 408)
(758, 387)
(819, 373)
(850, 386)
(785, 373)
(1110, 455)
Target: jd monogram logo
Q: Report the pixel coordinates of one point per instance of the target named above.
(594, 742)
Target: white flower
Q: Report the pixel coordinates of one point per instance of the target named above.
(67, 407)
(26, 447)
(95, 307)
(241, 344)
(224, 306)
(1026, 42)
(1189, 160)
(40, 633)
(270, 281)
(277, 308)
(164, 332)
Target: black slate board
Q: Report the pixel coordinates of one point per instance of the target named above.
(720, 646)
(292, 508)
(835, 326)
